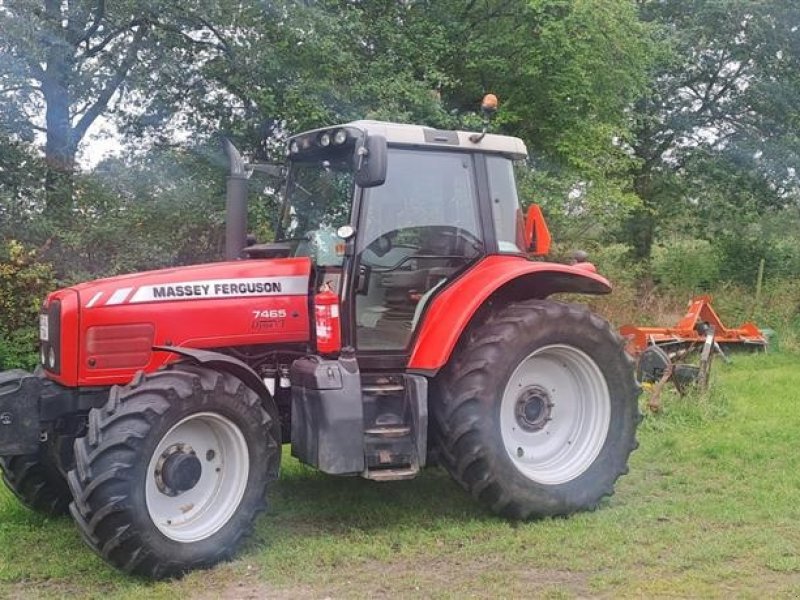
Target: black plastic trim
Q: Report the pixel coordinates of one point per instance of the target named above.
(53, 313)
(222, 362)
(376, 360)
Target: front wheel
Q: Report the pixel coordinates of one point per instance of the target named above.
(538, 410)
(174, 470)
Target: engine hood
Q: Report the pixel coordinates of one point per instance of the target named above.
(110, 326)
(236, 279)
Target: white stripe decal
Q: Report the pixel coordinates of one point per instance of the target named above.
(222, 288)
(94, 299)
(118, 297)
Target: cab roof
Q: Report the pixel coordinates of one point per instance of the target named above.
(418, 135)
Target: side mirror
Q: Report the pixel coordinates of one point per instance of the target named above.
(371, 161)
(537, 235)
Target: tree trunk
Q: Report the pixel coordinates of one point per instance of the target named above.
(640, 228)
(61, 146)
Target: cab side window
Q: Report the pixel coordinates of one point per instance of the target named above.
(509, 222)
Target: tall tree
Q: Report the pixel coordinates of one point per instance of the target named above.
(724, 93)
(64, 63)
(566, 72)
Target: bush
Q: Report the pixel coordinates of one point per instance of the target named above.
(686, 264)
(24, 281)
(615, 262)
(741, 254)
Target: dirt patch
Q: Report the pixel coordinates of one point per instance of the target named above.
(409, 578)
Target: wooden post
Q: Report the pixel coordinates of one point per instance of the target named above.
(759, 283)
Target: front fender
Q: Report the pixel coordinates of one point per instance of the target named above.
(222, 362)
(509, 277)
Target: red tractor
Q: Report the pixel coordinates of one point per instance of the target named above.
(396, 319)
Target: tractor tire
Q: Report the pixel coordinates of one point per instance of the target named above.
(36, 481)
(537, 410)
(174, 470)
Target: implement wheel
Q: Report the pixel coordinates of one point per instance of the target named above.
(174, 470)
(538, 410)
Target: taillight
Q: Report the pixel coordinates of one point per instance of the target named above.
(50, 336)
(119, 346)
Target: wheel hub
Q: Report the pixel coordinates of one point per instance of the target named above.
(555, 414)
(533, 408)
(178, 470)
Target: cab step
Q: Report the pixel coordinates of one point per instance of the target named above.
(393, 474)
(383, 389)
(389, 432)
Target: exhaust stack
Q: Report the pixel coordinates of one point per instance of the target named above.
(235, 203)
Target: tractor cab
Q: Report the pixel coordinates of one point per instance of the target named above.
(390, 213)
(391, 216)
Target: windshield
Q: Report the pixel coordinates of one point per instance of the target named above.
(318, 200)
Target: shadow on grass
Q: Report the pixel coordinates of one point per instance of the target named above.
(334, 504)
(303, 504)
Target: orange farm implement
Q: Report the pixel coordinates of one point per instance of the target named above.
(692, 330)
(658, 349)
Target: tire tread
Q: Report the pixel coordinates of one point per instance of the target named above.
(459, 415)
(105, 459)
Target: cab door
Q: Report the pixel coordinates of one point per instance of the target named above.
(416, 232)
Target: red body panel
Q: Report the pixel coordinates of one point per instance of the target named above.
(451, 311)
(205, 306)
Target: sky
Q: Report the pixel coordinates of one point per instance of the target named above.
(103, 140)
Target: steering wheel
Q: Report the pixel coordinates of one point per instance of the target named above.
(457, 233)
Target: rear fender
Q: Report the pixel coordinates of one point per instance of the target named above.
(501, 278)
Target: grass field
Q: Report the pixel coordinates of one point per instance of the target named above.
(710, 508)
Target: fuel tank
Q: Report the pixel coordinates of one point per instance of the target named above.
(107, 327)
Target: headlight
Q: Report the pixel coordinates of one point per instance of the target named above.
(51, 358)
(325, 140)
(294, 148)
(44, 327)
(340, 137)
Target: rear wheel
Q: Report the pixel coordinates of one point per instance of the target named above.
(37, 482)
(174, 470)
(538, 410)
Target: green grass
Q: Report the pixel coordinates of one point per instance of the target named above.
(710, 508)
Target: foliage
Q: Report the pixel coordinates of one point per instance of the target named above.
(686, 264)
(577, 66)
(21, 189)
(718, 119)
(24, 281)
(63, 65)
(660, 130)
(163, 210)
(771, 238)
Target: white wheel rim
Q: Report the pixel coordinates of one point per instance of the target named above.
(199, 512)
(555, 414)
